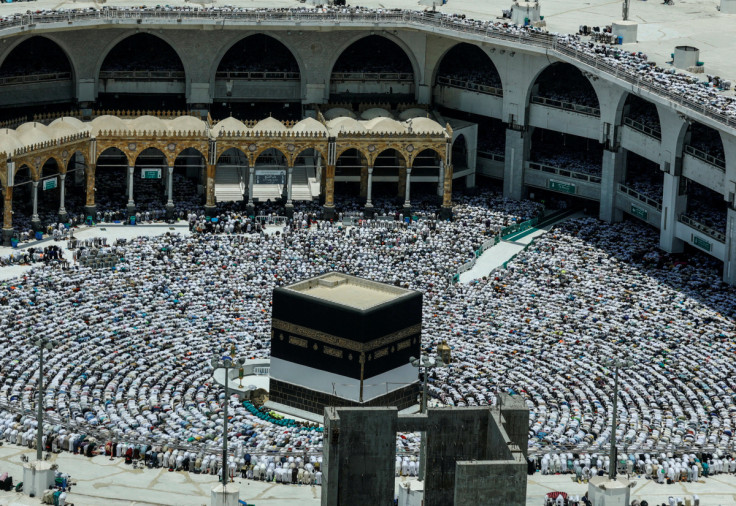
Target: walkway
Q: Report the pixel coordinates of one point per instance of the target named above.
(511, 246)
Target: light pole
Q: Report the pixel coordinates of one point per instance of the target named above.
(226, 363)
(613, 454)
(48, 344)
(428, 363)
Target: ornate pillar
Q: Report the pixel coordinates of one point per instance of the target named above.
(364, 182)
(209, 206)
(329, 207)
(369, 193)
(407, 196)
(131, 201)
(318, 168)
(63, 217)
(441, 179)
(170, 192)
(35, 220)
(446, 209)
(90, 208)
(289, 187)
(401, 192)
(8, 215)
(251, 180)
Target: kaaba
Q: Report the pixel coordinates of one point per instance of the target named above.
(340, 340)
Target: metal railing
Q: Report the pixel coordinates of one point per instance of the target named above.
(640, 197)
(568, 106)
(469, 85)
(492, 156)
(35, 78)
(641, 127)
(400, 19)
(702, 155)
(564, 172)
(372, 76)
(709, 231)
(143, 75)
(258, 76)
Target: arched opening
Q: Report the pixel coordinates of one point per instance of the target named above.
(642, 115)
(270, 179)
(705, 143)
(188, 181)
(149, 184)
(142, 72)
(75, 185)
(42, 70)
(307, 170)
(467, 66)
(389, 181)
(568, 152)
(111, 182)
(231, 177)
(425, 178)
(372, 66)
(460, 153)
(22, 199)
(706, 207)
(351, 180)
(644, 176)
(257, 77)
(562, 85)
(49, 193)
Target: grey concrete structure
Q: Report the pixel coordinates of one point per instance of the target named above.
(201, 42)
(474, 455)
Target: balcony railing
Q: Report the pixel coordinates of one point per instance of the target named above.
(568, 106)
(372, 76)
(35, 78)
(258, 76)
(709, 231)
(491, 156)
(565, 172)
(142, 75)
(641, 127)
(702, 155)
(469, 85)
(640, 197)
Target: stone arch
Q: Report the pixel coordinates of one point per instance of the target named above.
(116, 148)
(396, 149)
(316, 148)
(416, 68)
(185, 148)
(151, 150)
(420, 150)
(559, 65)
(239, 38)
(697, 136)
(341, 151)
(263, 149)
(20, 41)
(478, 50)
(224, 148)
(113, 44)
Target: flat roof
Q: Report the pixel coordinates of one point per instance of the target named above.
(348, 290)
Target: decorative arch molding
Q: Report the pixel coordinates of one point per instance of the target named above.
(50, 36)
(453, 44)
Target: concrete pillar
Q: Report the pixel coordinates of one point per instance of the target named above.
(470, 181)
(329, 207)
(225, 495)
(209, 206)
(369, 190)
(131, 201)
(38, 476)
(407, 194)
(612, 174)
(170, 193)
(674, 202)
(729, 261)
(63, 216)
(289, 188)
(8, 216)
(35, 220)
(318, 168)
(517, 154)
(251, 179)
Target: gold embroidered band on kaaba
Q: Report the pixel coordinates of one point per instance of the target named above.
(343, 343)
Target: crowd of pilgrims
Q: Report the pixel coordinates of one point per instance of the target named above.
(132, 361)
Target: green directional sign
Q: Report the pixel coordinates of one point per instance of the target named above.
(701, 243)
(561, 187)
(151, 173)
(639, 212)
(49, 184)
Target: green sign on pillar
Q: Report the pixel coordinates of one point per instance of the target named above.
(151, 173)
(49, 184)
(701, 243)
(561, 187)
(639, 212)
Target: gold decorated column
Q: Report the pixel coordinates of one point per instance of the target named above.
(8, 208)
(210, 186)
(330, 186)
(447, 194)
(90, 173)
(364, 182)
(402, 181)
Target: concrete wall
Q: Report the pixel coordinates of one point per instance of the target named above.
(704, 173)
(560, 120)
(583, 188)
(469, 101)
(624, 203)
(641, 144)
(489, 482)
(36, 93)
